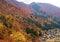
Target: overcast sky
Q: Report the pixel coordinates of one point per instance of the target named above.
(54, 2)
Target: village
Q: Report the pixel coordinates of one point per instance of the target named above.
(52, 35)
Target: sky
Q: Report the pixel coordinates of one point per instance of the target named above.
(54, 2)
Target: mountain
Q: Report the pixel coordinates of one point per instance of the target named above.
(17, 24)
(46, 9)
(20, 22)
(37, 8)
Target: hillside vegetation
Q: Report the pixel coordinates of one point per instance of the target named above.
(19, 25)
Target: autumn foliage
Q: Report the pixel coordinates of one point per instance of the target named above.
(16, 25)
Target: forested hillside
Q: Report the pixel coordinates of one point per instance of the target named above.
(19, 24)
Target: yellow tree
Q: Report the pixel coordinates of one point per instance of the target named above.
(9, 21)
(19, 37)
(3, 31)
